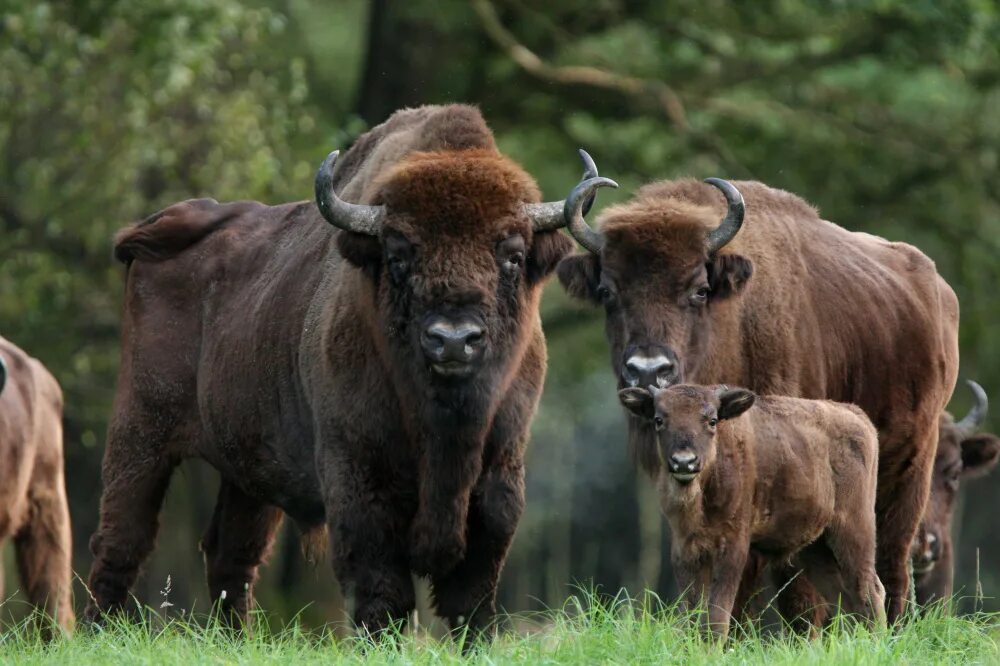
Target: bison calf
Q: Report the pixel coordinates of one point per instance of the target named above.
(962, 453)
(33, 507)
(792, 477)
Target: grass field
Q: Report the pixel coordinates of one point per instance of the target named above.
(619, 632)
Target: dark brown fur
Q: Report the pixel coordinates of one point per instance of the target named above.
(795, 306)
(959, 456)
(287, 354)
(33, 508)
(783, 476)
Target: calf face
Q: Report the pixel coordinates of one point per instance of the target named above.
(685, 418)
(962, 454)
(657, 269)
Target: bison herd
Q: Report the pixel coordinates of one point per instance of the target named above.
(369, 364)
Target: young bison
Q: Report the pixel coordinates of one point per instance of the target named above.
(33, 508)
(793, 477)
(962, 453)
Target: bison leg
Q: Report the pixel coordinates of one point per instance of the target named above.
(44, 553)
(466, 596)
(798, 601)
(136, 476)
(368, 523)
(235, 544)
(848, 570)
(903, 486)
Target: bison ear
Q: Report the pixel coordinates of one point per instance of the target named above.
(734, 402)
(639, 401)
(979, 454)
(361, 250)
(580, 276)
(547, 250)
(728, 274)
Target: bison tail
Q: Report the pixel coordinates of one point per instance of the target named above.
(314, 542)
(172, 230)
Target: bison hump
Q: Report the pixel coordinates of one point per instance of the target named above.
(169, 232)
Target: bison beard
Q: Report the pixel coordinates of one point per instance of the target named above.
(300, 361)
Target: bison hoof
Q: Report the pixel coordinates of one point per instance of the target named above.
(434, 552)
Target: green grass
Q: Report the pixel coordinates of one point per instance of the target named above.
(620, 632)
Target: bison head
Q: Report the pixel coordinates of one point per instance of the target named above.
(658, 269)
(685, 419)
(456, 246)
(962, 453)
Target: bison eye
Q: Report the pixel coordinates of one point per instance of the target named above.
(510, 252)
(515, 260)
(700, 296)
(713, 422)
(658, 421)
(605, 294)
(397, 268)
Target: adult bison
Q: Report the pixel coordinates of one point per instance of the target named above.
(962, 453)
(370, 366)
(793, 305)
(33, 508)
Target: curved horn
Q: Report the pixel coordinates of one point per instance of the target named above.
(573, 213)
(549, 216)
(977, 414)
(3, 373)
(347, 216)
(725, 232)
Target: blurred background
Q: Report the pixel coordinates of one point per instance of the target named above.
(882, 113)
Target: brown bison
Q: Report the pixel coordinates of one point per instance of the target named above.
(791, 475)
(370, 366)
(792, 305)
(962, 453)
(33, 508)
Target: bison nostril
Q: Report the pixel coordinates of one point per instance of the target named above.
(648, 370)
(446, 342)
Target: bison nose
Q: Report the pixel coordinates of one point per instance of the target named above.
(450, 342)
(928, 553)
(684, 465)
(649, 371)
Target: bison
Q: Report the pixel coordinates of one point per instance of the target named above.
(33, 507)
(962, 453)
(792, 305)
(369, 362)
(789, 475)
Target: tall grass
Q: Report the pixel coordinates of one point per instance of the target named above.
(588, 629)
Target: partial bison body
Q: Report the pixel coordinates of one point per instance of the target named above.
(962, 453)
(33, 507)
(789, 476)
(789, 305)
(378, 379)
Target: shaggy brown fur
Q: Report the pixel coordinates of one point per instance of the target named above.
(959, 456)
(788, 476)
(795, 306)
(33, 507)
(288, 355)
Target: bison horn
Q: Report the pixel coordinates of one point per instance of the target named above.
(549, 216)
(347, 216)
(977, 414)
(3, 373)
(580, 200)
(725, 232)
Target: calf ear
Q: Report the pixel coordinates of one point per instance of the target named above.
(639, 401)
(728, 274)
(734, 402)
(979, 454)
(580, 276)
(361, 250)
(547, 250)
